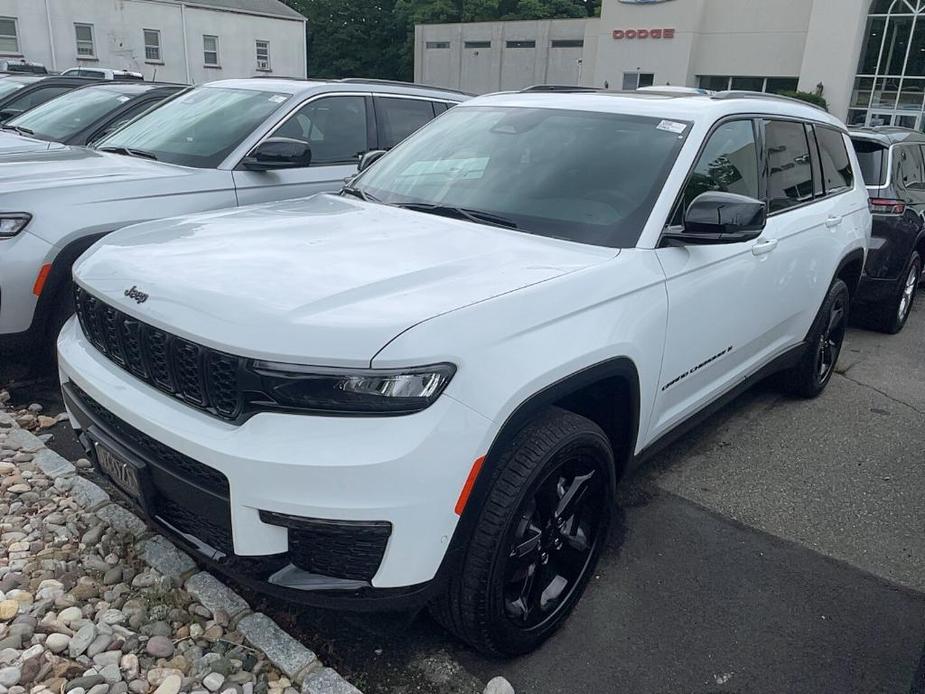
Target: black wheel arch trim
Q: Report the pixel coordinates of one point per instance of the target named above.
(857, 255)
(618, 367)
(58, 279)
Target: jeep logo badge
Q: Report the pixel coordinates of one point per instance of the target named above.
(136, 294)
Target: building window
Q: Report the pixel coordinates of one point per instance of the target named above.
(84, 33)
(889, 87)
(770, 85)
(152, 45)
(210, 51)
(263, 56)
(437, 44)
(635, 80)
(521, 44)
(9, 39)
(568, 43)
(477, 44)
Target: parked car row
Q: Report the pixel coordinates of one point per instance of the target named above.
(421, 386)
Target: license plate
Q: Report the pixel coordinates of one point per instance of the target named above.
(124, 474)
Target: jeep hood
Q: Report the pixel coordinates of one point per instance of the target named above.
(53, 169)
(323, 280)
(12, 143)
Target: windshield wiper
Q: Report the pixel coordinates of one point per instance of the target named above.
(129, 151)
(19, 129)
(460, 213)
(357, 193)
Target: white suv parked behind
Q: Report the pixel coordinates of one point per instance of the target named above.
(425, 389)
(222, 144)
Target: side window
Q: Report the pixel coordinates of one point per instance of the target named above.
(334, 126)
(34, 98)
(908, 166)
(836, 164)
(398, 118)
(728, 163)
(790, 174)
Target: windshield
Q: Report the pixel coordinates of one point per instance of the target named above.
(872, 158)
(582, 176)
(8, 86)
(199, 128)
(68, 114)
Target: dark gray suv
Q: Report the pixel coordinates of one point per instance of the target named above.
(893, 166)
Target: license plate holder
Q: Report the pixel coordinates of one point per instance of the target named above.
(128, 475)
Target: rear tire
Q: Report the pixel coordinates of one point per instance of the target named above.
(538, 538)
(890, 317)
(823, 345)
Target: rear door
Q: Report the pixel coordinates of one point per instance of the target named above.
(340, 128)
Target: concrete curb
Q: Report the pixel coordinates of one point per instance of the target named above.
(299, 663)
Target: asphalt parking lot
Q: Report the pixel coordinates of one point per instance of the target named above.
(779, 547)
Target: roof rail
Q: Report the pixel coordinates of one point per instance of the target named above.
(734, 94)
(564, 88)
(399, 83)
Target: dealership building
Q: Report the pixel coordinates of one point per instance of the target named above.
(866, 57)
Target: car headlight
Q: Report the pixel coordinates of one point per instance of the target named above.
(11, 223)
(350, 391)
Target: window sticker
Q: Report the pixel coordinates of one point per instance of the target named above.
(672, 126)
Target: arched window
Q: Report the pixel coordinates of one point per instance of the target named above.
(890, 84)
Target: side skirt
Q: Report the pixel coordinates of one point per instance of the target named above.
(785, 361)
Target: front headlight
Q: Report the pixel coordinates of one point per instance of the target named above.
(350, 391)
(11, 223)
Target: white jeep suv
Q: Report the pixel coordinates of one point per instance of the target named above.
(425, 389)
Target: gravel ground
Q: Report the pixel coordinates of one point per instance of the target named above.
(91, 602)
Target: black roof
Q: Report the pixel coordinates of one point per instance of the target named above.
(888, 134)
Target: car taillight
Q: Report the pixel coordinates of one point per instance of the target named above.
(886, 206)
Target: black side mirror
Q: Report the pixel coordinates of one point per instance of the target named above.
(716, 217)
(369, 159)
(278, 153)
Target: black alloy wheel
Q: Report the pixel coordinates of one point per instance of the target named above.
(552, 541)
(831, 339)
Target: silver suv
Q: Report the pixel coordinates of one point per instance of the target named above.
(223, 144)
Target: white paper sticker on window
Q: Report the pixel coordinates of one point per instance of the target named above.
(277, 98)
(672, 126)
(123, 99)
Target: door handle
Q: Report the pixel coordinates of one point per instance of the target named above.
(764, 246)
(833, 222)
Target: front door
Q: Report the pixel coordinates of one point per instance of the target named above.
(719, 317)
(338, 129)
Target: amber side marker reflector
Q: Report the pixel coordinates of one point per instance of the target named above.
(467, 487)
(40, 279)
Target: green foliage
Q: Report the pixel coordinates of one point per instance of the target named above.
(374, 38)
(809, 97)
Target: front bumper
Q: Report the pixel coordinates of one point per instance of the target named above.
(405, 473)
(21, 258)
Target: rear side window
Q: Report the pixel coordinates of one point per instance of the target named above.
(728, 163)
(398, 118)
(836, 165)
(872, 158)
(790, 173)
(908, 167)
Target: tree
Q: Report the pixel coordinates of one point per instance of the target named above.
(809, 97)
(375, 38)
(360, 38)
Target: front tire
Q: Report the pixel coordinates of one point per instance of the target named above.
(538, 538)
(823, 345)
